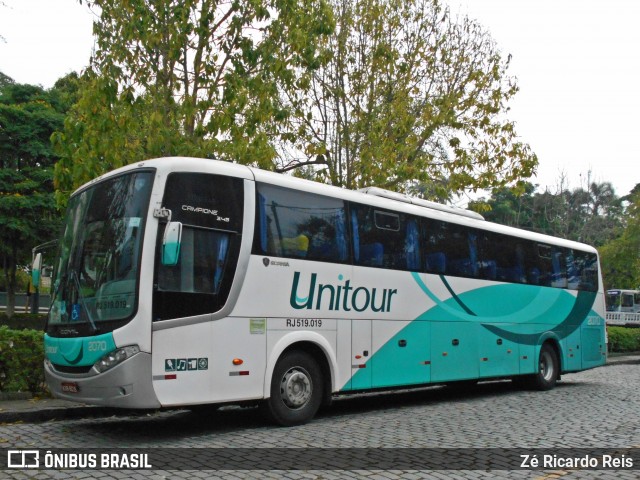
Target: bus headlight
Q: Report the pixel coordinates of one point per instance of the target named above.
(116, 357)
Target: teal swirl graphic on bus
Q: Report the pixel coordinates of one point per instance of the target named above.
(555, 308)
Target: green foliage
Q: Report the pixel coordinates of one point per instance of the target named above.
(21, 361)
(590, 215)
(409, 96)
(190, 78)
(620, 257)
(28, 117)
(399, 94)
(5, 79)
(22, 281)
(624, 339)
(593, 215)
(24, 321)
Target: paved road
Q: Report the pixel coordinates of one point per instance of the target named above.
(594, 409)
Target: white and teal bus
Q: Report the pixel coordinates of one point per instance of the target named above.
(187, 281)
(623, 307)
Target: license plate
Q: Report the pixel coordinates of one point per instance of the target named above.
(70, 387)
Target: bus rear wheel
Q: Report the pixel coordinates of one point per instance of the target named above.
(548, 368)
(296, 390)
(548, 371)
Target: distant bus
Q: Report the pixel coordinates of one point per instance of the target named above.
(186, 281)
(623, 307)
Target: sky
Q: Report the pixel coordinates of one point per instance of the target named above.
(577, 64)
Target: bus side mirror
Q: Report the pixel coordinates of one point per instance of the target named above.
(36, 266)
(171, 244)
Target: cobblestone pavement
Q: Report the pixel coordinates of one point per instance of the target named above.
(595, 409)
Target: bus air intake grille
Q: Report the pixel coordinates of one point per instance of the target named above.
(68, 369)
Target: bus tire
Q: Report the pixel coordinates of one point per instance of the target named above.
(548, 369)
(296, 389)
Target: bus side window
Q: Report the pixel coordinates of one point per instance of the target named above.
(544, 265)
(585, 266)
(450, 249)
(412, 246)
(434, 245)
(369, 249)
(295, 224)
(558, 262)
(385, 239)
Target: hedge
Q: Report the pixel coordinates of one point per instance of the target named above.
(623, 339)
(21, 361)
(22, 321)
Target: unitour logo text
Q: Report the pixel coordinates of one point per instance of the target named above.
(312, 295)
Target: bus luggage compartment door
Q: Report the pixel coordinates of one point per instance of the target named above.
(454, 351)
(402, 358)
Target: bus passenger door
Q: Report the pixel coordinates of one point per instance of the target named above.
(360, 354)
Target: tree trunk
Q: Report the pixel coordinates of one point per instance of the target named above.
(10, 277)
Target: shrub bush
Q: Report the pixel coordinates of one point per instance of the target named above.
(22, 280)
(623, 339)
(21, 361)
(22, 321)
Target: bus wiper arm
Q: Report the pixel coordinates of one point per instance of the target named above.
(83, 301)
(53, 299)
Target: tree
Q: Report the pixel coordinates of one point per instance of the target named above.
(409, 97)
(5, 80)
(401, 94)
(508, 207)
(28, 117)
(188, 77)
(620, 257)
(591, 216)
(594, 214)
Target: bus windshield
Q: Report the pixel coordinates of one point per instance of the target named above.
(96, 278)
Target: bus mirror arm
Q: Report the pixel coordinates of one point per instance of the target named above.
(163, 214)
(171, 244)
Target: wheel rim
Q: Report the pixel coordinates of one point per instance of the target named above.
(296, 387)
(546, 366)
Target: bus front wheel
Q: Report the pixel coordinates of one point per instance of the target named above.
(296, 389)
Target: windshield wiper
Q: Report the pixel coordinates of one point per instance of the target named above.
(83, 302)
(53, 300)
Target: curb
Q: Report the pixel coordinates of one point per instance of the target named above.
(622, 361)
(10, 396)
(57, 413)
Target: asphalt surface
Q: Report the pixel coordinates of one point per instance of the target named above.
(45, 409)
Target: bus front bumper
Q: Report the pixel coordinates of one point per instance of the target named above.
(127, 385)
